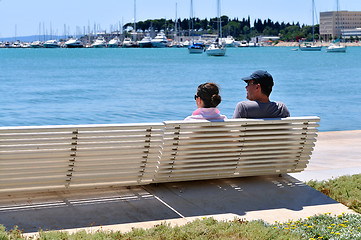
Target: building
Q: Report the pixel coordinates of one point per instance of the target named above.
(332, 23)
(354, 33)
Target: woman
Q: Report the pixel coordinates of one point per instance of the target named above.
(207, 99)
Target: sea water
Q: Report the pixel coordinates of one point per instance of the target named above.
(96, 86)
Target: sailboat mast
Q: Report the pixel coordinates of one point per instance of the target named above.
(135, 26)
(175, 23)
(219, 18)
(191, 21)
(313, 20)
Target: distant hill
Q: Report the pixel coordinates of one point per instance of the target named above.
(30, 38)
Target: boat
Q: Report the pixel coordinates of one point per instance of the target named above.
(51, 44)
(99, 43)
(218, 47)
(336, 45)
(186, 43)
(16, 44)
(36, 44)
(74, 43)
(160, 41)
(7, 44)
(114, 43)
(229, 41)
(308, 46)
(146, 42)
(25, 45)
(243, 43)
(311, 46)
(193, 46)
(128, 43)
(253, 44)
(196, 48)
(176, 44)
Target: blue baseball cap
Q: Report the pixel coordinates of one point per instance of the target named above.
(261, 77)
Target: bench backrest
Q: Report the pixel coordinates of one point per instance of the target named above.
(235, 148)
(60, 157)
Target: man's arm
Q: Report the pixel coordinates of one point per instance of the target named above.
(238, 111)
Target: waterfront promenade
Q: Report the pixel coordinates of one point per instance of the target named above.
(271, 198)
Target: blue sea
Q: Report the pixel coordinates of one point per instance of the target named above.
(95, 86)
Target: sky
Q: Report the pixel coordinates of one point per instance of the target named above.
(25, 17)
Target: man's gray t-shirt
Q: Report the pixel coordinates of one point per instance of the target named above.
(255, 109)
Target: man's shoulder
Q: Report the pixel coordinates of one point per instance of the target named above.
(247, 103)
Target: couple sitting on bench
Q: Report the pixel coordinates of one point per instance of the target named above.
(259, 87)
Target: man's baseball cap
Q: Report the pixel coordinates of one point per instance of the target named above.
(261, 77)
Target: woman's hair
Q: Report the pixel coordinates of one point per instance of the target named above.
(209, 93)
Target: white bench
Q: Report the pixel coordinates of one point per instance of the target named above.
(84, 156)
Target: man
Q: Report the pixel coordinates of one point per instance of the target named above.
(259, 87)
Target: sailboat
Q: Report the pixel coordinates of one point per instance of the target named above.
(217, 48)
(307, 46)
(176, 43)
(335, 45)
(194, 47)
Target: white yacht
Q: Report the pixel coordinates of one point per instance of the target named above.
(16, 44)
(216, 49)
(25, 45)
(243, 43)
(74, 43)
(176, 44)
(160, 41)
(336, 47)
(229, 41)
(51, 44)
(99, 43)
(186, 43)
(36, 44)
(146, 42)
(114, 43)
(128, 42)
(253, 44)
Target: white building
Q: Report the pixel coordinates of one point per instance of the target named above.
(348, 33)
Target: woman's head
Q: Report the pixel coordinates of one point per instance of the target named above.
(209, 93)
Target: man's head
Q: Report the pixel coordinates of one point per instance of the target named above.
(259, 78)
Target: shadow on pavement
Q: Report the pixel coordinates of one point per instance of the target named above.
(109, 206)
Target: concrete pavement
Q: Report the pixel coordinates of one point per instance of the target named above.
(270, 198)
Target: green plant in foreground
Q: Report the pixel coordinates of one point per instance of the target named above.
(345, 189)
(207, 228)
(325, 226)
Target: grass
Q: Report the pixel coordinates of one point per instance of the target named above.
(346, 189)
(207, 228)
